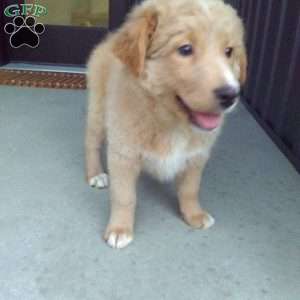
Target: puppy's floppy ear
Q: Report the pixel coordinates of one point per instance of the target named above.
(133, 40)
(243, 65)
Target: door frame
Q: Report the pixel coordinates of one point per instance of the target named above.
(3, 48)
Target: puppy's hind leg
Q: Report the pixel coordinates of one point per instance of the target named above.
(97, 78)
(95, 134)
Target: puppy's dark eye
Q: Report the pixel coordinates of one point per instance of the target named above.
(229, 52)
(186, 50)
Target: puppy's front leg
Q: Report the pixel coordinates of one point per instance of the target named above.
(188, 185)
(123, 176)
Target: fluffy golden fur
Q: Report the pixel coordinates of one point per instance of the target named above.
(153, 96)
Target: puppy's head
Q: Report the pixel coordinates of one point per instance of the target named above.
(191, 52)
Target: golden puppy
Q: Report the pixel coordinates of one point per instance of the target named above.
(159, 90)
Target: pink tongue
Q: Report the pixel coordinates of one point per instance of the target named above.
(207, 120)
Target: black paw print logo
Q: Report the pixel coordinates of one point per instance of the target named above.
(24, 32)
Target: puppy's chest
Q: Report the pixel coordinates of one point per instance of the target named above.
(167, 166)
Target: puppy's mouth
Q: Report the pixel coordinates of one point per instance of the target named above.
(203, 120)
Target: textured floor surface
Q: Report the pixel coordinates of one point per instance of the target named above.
(51, 222)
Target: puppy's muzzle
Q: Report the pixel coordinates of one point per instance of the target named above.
(227, 96)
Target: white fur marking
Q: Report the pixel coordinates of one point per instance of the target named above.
(119, 241)
(229, 76)
(167, 168)
(209, 222)
(100, 181)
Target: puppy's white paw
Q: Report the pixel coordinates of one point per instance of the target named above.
(100, 181)
(202, 220)
(208, 222)
(119, 241)
(119, 238)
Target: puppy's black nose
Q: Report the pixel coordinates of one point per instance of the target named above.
(226, 95)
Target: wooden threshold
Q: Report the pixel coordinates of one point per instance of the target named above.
(41, 79)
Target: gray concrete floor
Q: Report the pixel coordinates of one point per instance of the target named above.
(51, 222)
